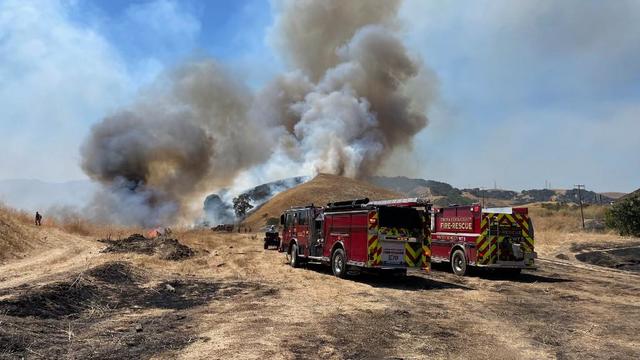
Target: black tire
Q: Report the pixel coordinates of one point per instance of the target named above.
(293, 258)
(266, 246)
(339, 263)
(458, 263)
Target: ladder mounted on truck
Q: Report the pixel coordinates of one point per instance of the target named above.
(409, 202)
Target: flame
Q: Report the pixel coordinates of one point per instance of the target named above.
(153, 233)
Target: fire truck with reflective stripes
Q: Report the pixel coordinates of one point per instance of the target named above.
(499, 238)
(357, 235)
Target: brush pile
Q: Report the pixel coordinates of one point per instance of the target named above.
(163, 247)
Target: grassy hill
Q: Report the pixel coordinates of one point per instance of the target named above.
(320, 190)
(14, 232)
(20, 237)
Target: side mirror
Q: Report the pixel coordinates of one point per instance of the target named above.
(282, 219)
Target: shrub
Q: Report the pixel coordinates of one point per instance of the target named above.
(624, 216)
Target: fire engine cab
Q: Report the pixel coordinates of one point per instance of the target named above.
(491, 237)
(356, 234)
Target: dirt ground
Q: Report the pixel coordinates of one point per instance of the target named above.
(232, 299)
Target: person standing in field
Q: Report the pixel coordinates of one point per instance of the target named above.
(38, 219)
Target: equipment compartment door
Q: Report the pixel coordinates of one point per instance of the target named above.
(358, 246)
(393, 253)
(339, 231)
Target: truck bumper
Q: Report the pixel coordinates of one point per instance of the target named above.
(527, 263)
(423, 267)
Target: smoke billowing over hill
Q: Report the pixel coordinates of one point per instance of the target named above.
(354, 94)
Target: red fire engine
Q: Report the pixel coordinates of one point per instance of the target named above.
(356, 234)
(491, 237)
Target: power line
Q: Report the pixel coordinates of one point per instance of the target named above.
(580, 186)
(482, 189)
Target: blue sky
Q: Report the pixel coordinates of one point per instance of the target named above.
(528, 91)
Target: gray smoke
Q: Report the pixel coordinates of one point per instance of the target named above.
(354, 94)
(218, 208)
(190, 130)
(308, 32)
(357, 93)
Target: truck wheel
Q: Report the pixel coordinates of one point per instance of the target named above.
(458, 263)
(266, 246)
(339, 263)
(294, 261)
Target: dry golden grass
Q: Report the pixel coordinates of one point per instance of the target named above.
(563, 218)
(320, 190)
(20, 236)
(15, 235)
(79, 226)
(281, 312)
(550, 243)
(559, 228)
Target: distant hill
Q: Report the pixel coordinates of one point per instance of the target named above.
(439, 192)
(443, 194)
(320, 190)
(413, 187)
(630, 195)
(32, 195)
(614, 195)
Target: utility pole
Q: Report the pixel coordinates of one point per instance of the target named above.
(580, 186)
(482, 192)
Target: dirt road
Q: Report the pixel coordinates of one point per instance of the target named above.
(234, 300)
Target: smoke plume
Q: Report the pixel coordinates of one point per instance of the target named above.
(190, 129)
(353, 95)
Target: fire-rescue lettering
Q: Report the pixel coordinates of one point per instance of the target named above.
(456, 223)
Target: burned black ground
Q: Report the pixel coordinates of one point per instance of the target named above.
(614, 256)
(622, 259)
(89, 315)
(163, 247)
